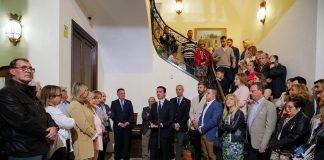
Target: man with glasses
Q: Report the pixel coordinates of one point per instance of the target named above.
(26, 129)
(261, 124)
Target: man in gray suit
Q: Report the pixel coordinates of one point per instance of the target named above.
(145, 130)
(261, 124)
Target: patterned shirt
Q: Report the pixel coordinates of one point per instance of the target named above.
(189, 48)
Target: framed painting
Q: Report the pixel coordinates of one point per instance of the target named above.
(211, 35)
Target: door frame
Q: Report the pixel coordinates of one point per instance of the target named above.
(77, 29)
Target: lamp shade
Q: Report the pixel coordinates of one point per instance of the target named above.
(13, 29)
(261, 14)
(179, 6)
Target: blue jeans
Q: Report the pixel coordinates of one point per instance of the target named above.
(189, 65)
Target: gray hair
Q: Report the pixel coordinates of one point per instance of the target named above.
(78, 89)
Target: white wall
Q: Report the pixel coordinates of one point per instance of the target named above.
(293, 39)
(70, 10)
(319, 73)
(42, 35)
(130, 61)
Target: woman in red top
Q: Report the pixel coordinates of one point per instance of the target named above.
(252, 68)
(202, 58)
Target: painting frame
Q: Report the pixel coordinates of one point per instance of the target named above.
(211, 35)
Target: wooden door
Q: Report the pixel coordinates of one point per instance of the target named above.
(84, 57)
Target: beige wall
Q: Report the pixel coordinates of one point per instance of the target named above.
(238, 17)
(293, 38)
(289, 31)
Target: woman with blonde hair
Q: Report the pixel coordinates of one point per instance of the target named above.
(93, 100)
(242, 92)
(302, 91)
(50, 97)
(233, 127)
(84, 134)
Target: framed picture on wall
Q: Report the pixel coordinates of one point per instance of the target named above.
(211, 35)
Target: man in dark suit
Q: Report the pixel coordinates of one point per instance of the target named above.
(208, 124)
(122, 114)
(236, 54)
(181, 116)
(277, 77)
(145, 130)
(161, 118)
(264, 66)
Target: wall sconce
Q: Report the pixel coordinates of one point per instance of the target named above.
(179, 6)
(261, 15)
(13, 29)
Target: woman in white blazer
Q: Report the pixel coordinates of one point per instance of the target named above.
(51, 97)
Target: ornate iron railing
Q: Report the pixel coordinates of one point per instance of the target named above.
(157, 28)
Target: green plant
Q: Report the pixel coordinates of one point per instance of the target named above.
(187, 143)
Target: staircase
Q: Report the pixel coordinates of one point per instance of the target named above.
(157, 29)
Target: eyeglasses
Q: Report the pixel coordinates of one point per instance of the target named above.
(25, 69)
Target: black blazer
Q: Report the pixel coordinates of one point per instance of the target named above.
(181, 113)
(145, 119)
(236, 127)
(117, 115)
(165, 116)
(293, 134)
(265, 69)
(278, 75)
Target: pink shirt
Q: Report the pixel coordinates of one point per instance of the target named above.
(243, 94)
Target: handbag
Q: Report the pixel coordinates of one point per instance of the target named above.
(54, 146)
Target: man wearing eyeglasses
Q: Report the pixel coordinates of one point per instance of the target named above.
(26, 130)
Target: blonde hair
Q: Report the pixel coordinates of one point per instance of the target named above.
(236, 106)
(47, 93)
(78, 89)
(301, 91)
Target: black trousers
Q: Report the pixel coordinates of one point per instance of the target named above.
(195, 138)
(59, 154)
(122, 143)
(253, 154)
(165, 151)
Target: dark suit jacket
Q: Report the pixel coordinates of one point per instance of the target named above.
(237, 58)
(164, 134)
(109, 114)
(165, 116)
(236, 54)
(243, 55)
(265, 70)
(278, 75)
(145, 119)
(117, 115)
(181, 113)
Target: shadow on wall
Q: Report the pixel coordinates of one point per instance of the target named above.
(116, 13)
(7, 50)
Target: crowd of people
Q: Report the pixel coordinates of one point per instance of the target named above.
(261, 115)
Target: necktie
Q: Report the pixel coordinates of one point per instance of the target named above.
(160, 106)
(122, 105)
(179, 101)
